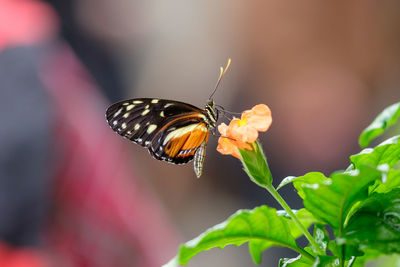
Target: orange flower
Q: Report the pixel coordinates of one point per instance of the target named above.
(242, 131)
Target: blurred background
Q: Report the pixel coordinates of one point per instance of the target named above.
(75, 194)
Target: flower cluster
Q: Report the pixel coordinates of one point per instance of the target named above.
(243, 131)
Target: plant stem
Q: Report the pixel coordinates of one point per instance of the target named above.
(341, 248)
(342, 251)
(341, 261)
(305, 254)
(286, 207)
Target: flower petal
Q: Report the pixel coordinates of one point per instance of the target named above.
(258, 117)
(240, 133)
(222, 128)
(226, 147)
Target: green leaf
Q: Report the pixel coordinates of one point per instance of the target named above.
(257, 247)
(308, 178)
(331, 200)
(286, 181)
(376, 224)
(388, 152)
(321, 236)
(385, 157)
(387, 261)
(386, 118)
(391, 182)
(320, 261)
(261, 227)
(304, 216)
(299, 261)
(255, 165)
(367, 256)
(350, 252)
(326, 261)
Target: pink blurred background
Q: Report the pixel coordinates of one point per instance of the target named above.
(73, 193)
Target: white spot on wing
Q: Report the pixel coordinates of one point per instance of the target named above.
(151, 128)
(126, 115)
(117, 113)
(115, 122)
(130, 107)
(145, 112)
(137, 102)
(123, 126)
(162, 114)
(154, 101)
(137, 126)
(167, 105)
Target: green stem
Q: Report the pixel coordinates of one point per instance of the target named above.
(341, 260)
(256, 166)
(286, 207)
(305, 254)
(342, 251)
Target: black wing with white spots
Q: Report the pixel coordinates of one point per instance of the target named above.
(139, 120)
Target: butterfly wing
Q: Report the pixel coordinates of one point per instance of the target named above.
(180, 140)
(171, 130)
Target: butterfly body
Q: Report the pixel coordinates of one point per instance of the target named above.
(172, 131)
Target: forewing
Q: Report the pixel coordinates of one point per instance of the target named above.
(141, 119)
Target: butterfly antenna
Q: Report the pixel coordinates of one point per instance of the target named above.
(222, 72)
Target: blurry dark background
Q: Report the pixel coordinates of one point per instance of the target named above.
(324, 68)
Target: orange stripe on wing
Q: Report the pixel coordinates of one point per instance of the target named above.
(188, 116)
(175, 144)
(195, 139)
(189, 141)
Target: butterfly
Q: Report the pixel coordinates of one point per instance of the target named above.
(172, 131)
